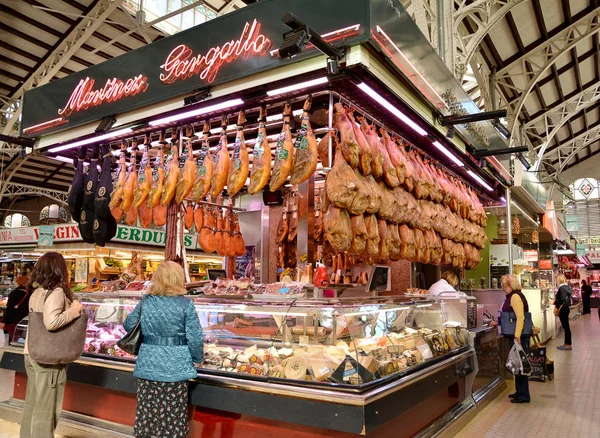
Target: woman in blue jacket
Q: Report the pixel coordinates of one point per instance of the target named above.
(172, 343)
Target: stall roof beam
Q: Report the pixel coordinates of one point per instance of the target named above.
(230, 7)
(529, 68)
(63, 53)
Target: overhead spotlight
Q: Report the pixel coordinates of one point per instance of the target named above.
(295, 41)
(502, 130)
(451, 132)
(198, 96)
(524, 161)
(105, 124)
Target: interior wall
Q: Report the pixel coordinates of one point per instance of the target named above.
(483, 268)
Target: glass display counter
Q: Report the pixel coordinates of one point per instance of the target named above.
(345, 343)
(345, 365)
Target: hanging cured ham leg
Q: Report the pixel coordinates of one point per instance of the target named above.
(144, 177)
(116, 200)
(238, 168)
(284, 154)
(187, 175)
(364, 150)
(348, 143)
(158, 175)
(306, 156)
(171, 172)
(131, 182)
(206, 238)
(371, 138)
(261, 161)
(221, 163)
(204, 168)
(198, 218)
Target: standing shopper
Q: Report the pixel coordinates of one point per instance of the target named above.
(562, 304)
(17, 307)
(51, 296)
(172, 343)
(586, 297)
(516, 303)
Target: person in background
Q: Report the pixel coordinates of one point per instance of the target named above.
(17, 307)
(562, 301)
(172, 343)
(586, 297)
(447, 283)
(51, 296)
(517, 303)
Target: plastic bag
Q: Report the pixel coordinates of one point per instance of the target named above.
(3, 339)
(517, 362)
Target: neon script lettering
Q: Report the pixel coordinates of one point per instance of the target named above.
(84, 96)
(181, 63)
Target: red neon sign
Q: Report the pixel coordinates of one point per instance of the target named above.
(84, 96)
(181, 64)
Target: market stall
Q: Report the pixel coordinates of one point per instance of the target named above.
(355, 173)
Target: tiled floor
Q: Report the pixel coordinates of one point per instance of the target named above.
(11, 430)
(567, 406)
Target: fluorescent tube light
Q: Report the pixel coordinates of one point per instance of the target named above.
(480, 180)
(91, 140)
(197, 112)
(503, 199)
(447, 153)
(563, 252)
(299, 86)
(391, 108)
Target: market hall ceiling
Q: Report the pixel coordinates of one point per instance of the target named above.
(31, 33)
(545, 54)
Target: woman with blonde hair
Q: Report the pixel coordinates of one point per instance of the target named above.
(172, 343)
(562, 308)
(516, 303)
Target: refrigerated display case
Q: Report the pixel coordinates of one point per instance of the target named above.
(388, 354)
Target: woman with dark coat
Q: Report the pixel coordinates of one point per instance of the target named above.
(562, 301)
(516, 303)
(586, 297)
(17, 307)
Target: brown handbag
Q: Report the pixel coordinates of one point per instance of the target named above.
(60, 346)
(557, 310)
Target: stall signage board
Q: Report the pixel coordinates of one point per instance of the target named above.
(144, 236)
(230, 47)
(46, 235)
(589, 240)
(530, 255)
(546, 264)
(594, 257)
(61, 233)
(572, 223)
(580, 248)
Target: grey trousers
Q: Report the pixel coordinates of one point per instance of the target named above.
(44, 399)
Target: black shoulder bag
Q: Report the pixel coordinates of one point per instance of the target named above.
(131, 342)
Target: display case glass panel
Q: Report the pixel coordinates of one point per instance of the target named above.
(348, 343)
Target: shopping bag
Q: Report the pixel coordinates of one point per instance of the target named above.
(3, 337)
(517, 362)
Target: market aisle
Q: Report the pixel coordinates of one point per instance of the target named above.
(564, 407)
